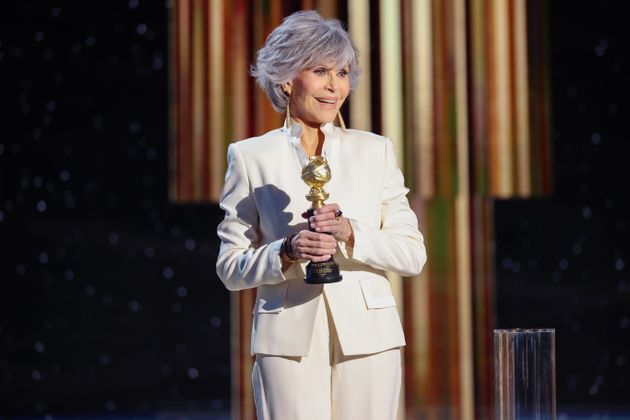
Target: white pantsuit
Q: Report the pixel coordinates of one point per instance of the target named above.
(263, 199)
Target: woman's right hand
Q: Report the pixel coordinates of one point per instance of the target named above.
(313, 246)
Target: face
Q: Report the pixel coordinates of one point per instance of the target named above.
(317, 94)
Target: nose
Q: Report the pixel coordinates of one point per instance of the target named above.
(331, 84)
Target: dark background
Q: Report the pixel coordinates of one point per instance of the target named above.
(109, 303)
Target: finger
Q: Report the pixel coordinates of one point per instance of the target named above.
(327, 208)
(320, 258)
(323, 244)
(329, 226)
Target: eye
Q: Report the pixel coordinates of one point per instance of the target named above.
(342, 73)
(320, 71)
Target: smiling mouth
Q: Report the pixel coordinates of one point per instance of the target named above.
(327, 101)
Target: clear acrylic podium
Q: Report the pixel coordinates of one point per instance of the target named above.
(525, 374)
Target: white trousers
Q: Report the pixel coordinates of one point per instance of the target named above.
(326, 385)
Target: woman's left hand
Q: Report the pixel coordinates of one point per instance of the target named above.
(329, 219)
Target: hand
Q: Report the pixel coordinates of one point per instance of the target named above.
(313, 246)
(328, 219)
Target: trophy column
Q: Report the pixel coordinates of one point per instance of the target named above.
(316, 174)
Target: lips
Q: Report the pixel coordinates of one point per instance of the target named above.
(327, 101)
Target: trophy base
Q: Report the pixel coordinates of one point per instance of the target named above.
(322, 272)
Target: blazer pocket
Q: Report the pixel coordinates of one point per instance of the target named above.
(377, 293)
(270, 299)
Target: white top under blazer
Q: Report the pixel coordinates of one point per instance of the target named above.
(264, 198)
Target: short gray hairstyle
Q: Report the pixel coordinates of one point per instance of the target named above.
(303, 40)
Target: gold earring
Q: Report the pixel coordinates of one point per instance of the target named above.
(287, 118)
(342, 124)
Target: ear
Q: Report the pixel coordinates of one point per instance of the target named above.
(288, 88)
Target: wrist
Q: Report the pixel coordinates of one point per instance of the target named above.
(286, 251)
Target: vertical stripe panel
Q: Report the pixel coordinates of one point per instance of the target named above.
(361, 97)
(462, 221)
(173, 126)
(217, 114)
(183, 85)
(501, 135)
(523, 163)
(423, 96)
(391, 93)
(197, 91)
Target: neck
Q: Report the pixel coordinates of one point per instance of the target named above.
(312, 139)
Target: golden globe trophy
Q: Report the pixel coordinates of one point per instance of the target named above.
(315, 174)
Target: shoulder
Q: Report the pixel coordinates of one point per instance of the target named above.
(266, 143)
(365, 140)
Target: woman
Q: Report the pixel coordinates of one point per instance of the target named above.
(333, 350)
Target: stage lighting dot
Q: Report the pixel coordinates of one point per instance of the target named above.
(135, 306)
(190, 244)
(596, 138)
(556, 276)
(90, 41)
(151, 153)
(113, 238)
(36, 375)
(586, 213)
(41, 206)
(157, 63)
(619, 264)
(1, 149)
(133, 4)
(43, 258)
(38, 182)
(577, 249)
(56, 11)
(168, 273)
(621, 286)
(149, 252)
(182, 291)
(110, 406)
(39, 347)
(20, 270)
(64, 176)
(39, 36)
(621, 360)
(193, 373)
(134, 127)
(90, 290)
(215, 321)
(104, 359)
(624, 322)
(1, 216)
(141, 29)
(563, 264)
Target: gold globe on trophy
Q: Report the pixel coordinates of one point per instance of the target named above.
(316, 173)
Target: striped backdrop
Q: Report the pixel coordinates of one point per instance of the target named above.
(460, 86)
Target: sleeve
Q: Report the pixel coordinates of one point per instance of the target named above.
(397, 245)
(243, 263)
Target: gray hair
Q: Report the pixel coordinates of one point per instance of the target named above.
(303, 40)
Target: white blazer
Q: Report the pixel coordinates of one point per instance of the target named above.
(263, 199)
